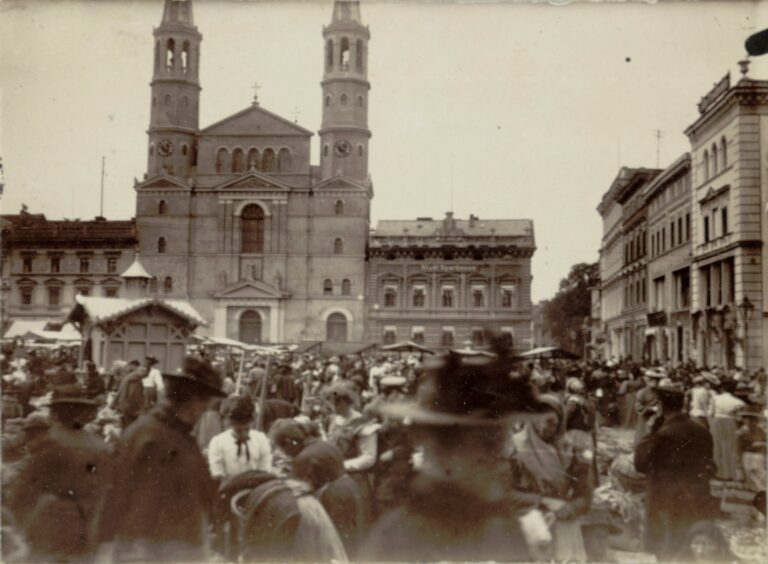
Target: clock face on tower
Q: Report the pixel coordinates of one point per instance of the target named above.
(165, 148)
(342, 148)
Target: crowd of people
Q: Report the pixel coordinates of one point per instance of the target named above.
(374, 457)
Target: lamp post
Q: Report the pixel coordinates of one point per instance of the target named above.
(746, 307)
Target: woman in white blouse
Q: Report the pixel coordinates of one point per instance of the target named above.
(724, 409)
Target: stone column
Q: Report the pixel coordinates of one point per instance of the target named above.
(220, 321)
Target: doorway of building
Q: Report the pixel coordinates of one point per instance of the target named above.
(336, 328)
(250, 327)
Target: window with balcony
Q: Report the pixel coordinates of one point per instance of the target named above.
(448, 297)
(419, 297)
(508, 296)
(390, 297)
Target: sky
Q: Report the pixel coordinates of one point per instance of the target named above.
(499, 109)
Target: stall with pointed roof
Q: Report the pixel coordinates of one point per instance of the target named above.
(135, 326)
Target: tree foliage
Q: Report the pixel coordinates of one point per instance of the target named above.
(567, 314)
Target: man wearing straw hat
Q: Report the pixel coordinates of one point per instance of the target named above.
(460, 506)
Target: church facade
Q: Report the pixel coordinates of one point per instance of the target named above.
(235, 218)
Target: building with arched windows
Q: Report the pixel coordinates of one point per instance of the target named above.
(234, 217)
(444, 282)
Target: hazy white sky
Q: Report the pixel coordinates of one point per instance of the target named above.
(519, 110)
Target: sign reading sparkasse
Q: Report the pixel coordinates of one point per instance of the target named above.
(449, 267)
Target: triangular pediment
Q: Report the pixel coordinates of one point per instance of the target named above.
(250, 289)
(163, 181)
(253, 180)
(341, 182)
(255, 120)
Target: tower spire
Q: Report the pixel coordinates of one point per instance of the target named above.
(178, 11)
(344, 134)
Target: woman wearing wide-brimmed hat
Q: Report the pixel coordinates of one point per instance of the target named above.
(460, 506)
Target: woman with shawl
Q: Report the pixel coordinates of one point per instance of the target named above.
(356, 436)
(546, 463)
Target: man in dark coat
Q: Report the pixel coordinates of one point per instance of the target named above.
(460, 506)
(59, 488)
(163, 491)
(676, 457)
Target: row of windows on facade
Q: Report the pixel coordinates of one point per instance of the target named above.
(327, 150)
(54, 292)
(344, 100)
(679, 233)
(168, 100)
(346, 287)
(447, 336)
(172, 56)
(162, 209)
(184, 149)
(714, 218)
(681, 281)
(84, 265)
(715, 160)
(238, 160)
(252, 241)
(344, 55)
(448, 299)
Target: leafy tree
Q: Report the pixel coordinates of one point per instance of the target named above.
(566, 313)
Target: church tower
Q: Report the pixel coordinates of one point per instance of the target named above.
(176, 89)
(344, 135)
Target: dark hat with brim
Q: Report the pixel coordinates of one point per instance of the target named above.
(468, 391)
(200, 374)
(70, 394)
(242, 410)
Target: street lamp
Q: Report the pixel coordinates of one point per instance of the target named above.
(746, 307)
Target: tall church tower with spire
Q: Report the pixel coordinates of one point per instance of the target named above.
(176, 89)
(344, 135)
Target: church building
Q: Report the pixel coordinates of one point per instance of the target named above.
(235, 218)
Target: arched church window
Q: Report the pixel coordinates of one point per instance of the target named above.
(706, 164)
(327, 287)
(344, 54)
(327, 101)
(184, 149)
(329, 54)
(167, 100)
(170, 54)
(359, 56)
(151, 149)
(185, 56)
(238, 160)
(283, 160)
(714, 159)
(252, 229)
(343, 99)
(339, 207)
(359, 150)
(268, 161)
(168, 285)
(325, 150)
(346, 287)
(162, 245)
(359, 101)
(158, 61)
(222, 160)
(253, 158)
(162, 207)
(338, 246)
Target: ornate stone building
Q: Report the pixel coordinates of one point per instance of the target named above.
(729, 226)
(441, 282)
(264, 244)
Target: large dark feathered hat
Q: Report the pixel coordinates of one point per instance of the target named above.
(469, 391)
(200, 373)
